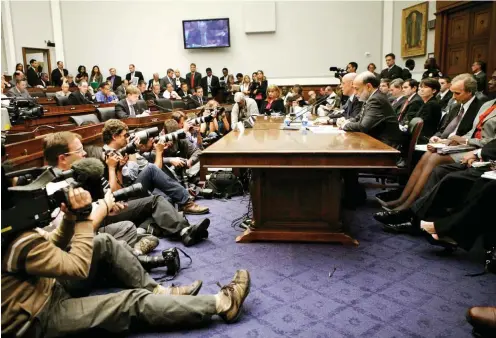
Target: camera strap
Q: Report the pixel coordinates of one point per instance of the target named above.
(167, 278)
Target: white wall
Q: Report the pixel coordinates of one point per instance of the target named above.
(419, 60)
(5, 70)
(308, 40)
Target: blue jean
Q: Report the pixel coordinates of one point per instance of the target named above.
(152, 177)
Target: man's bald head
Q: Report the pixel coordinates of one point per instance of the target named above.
(347, 84)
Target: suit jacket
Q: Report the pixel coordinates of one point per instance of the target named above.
(260, 87)
(406, 74)
(214, 85)
(412, 109)
(398, 104)
(466, 122)
(117, 81)
(481, 79)
(76, 98)
(430, 113)
(352, 109)
(14, 92)
(277, 106)
(165, 81)
(181, 81)
(122, 109)
(196, 80)
(395, 73)
(488, 130)
(489, 151)
(33, 78)
(196, 101)
(137, 74)
(444, 101)
(150, 96)
(57, 76)
(378, 120)
(183, 94)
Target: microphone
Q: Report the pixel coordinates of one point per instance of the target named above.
(162, 108)
(307, 108)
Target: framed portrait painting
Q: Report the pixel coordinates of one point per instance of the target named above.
(414, 30)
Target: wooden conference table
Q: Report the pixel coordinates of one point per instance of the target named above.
(296, 181)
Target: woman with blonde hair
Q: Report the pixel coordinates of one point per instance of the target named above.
(245, 85)
(273, 103)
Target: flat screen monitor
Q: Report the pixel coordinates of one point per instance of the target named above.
(208, 33)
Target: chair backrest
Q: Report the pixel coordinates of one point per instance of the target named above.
(62, 100)
(177, 104)
(50, 95)
(37, 94)
(414, 129)
(80, 119)
(165, 103)
(141, 104)
(106, 113)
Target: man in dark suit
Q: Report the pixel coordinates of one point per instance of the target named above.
(169, 78)
(412, 104)
(127, 107)
(210, 84)
(396, 92)
(198, 99)
(392, 71)
(80, 96)
(178, 79)
(353, 105)
(223, 78)
(58, 74)
(115, 80)
(480, 76)
(32, 75)
(154, 94)
(377, 117)
(409, 66)
(133, 73)
(193, 79)
(44, 80)
(445, 93)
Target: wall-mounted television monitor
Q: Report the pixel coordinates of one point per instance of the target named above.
(208, 33)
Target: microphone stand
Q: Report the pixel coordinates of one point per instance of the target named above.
(307, 108)
(163, 108)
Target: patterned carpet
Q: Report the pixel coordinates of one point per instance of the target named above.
(389, 286)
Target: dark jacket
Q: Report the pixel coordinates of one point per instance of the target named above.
(117, 81)
(196, 80)
(466, 123)
(481, 79)
(432, 73)
(277, 106)
(76, 98)
(489, 151)
(214, 85)
(137, 74)
(32, 77)
(260, 87)
(122, 109)
(184, 149)
(411, 110)
(56, 77)
(444, 101)
(196, 101)
(397, 105)
(430, 113)
(395, 73)
(150, 96)
(351, 110)
(378, 120)
(405, 75)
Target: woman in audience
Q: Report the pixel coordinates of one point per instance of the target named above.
(245, 85)
(19, 67)
(154, 81)
(70, 81)
(430, 112)
(273, 103)
(432, 69)
(96, 76)
(65, 92)
(371, 68)
(254, 77)
(81, 73)
(230, 90)
(259, 89)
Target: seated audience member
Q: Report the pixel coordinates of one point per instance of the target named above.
(154, 94)
(445, 94)
(239, 79)
(243, 108)
(44, 81)
(19, 90)
(409, 66)
(170, 93)
(413, 102)
(431, 69)
(134, 76)
(127, 107)
(377, 117)
(53, 283)
(154, 81)
(198, 99)
(115, 80)
(142, 89)
(96, 75)
(19, 67)
(312, 97)
(384, 87)
(479, 71)
(353, 105)
(104, 95)
(245, 86)
(134, 168)
(184, 91)
(81, 75)
(273, 103)
(430, 111)
(70, 81)
(17, 75)
(80, 96)
(178, 80)
(371, 68)
(296, 90)
(333, 101)
(396, 94)
(121, 90)
(392, 71)
(491, 86)
(258, 89)
(463, 88)
(91, 92)
(64, 92)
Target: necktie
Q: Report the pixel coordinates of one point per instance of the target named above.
(201, 101)
(453, 124)
(400, 117)
(132, 112)
(192, 81)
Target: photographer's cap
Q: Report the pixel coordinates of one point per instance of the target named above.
(238, 97)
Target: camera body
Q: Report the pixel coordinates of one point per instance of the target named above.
(339, 72)
(143, 135)
(21, 109)
(172, 261)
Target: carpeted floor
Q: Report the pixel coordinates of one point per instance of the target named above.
(389, 286)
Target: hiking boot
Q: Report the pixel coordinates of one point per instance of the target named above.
(232, 296)
(196, 233)
(146, 245)
(186, 290)
(191, 208)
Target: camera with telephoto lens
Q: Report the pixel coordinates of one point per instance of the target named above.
(200, 120)
(171, 137)
(339, 72)
(210, 139)
(143, 135)
(21, 109)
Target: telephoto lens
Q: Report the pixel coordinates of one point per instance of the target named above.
(145, 134)
(172, 137)
(124, 194)
(200, 120)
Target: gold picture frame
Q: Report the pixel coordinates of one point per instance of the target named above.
(414, 30)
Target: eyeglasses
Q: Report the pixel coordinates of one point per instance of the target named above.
(79, 151)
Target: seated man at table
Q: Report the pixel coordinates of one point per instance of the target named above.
(65, 92)
(127, 107)
(154, 94)
(80, 96)
(170, 93)
(104, 95)
(20, 89)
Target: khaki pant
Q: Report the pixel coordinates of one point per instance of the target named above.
(135, 308)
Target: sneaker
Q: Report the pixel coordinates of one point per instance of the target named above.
(146, 245)
(187, 290)
(191, 208)
(196, 233)
(233, 295)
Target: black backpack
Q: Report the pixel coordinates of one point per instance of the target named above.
(224, 184)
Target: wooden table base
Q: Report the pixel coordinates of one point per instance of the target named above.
(297, 204)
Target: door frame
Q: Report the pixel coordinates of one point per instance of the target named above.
(42, 50)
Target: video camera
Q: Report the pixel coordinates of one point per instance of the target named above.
(29, 206)
(146, 134)
(21, 109)
(339, 72)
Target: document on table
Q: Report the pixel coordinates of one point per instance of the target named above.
(325, 130)
(490, 175)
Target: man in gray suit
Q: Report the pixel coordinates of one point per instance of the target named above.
(377, 117)
(20, 89)
(169, 78)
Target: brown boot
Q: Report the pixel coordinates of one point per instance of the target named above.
(146, 245)
(191, 208)
(187, 290)
(232, 296)
(483, 319)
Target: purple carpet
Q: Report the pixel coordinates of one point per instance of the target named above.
(389, 286)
